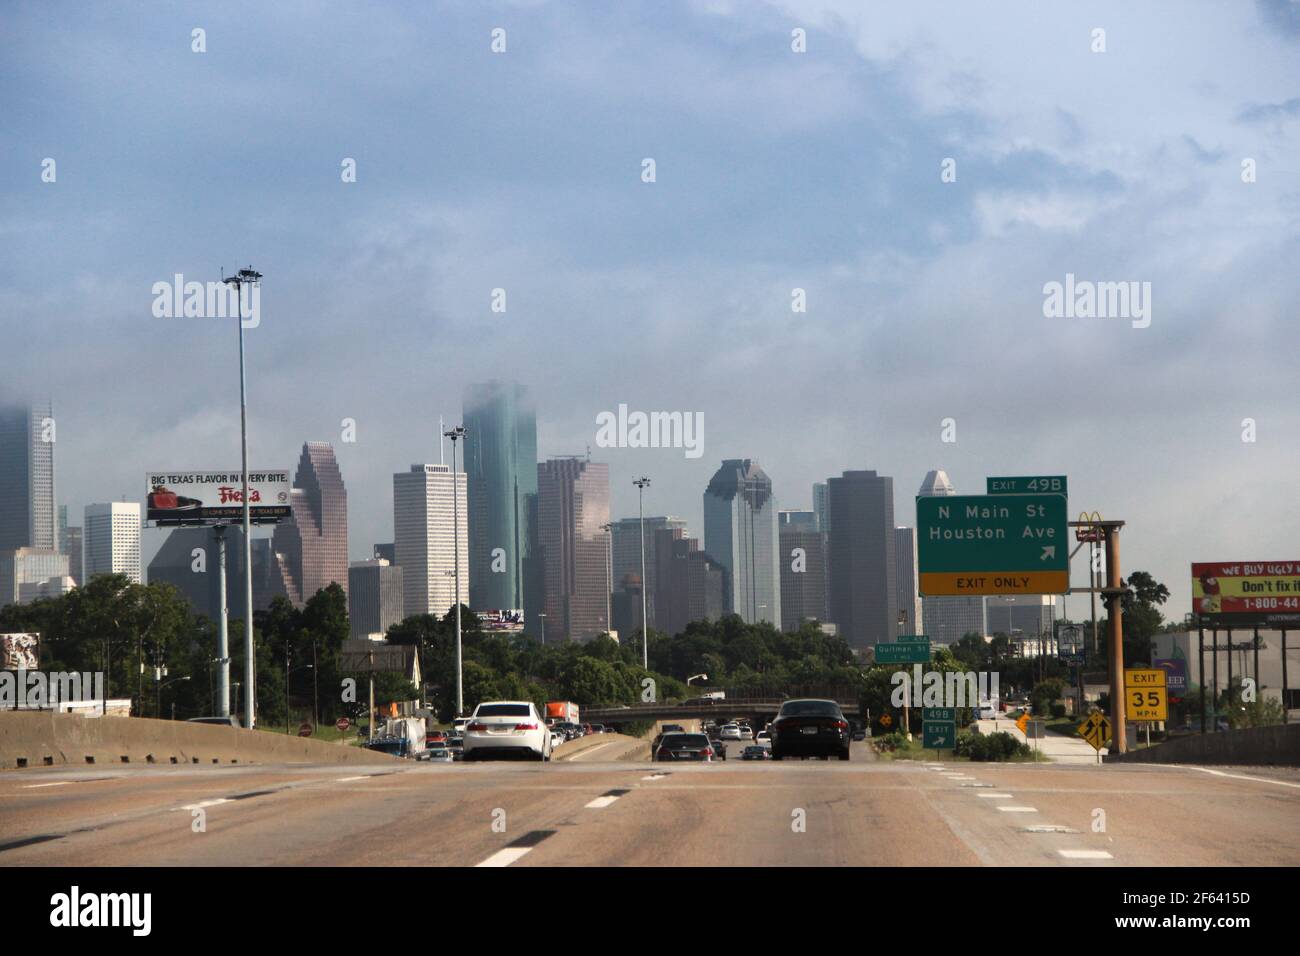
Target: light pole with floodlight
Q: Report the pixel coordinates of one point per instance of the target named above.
(641, 484)
(455, 434)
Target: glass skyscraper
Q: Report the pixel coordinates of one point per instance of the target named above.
(500, 450)
(312, 546)
(27, 514)
(740, 533)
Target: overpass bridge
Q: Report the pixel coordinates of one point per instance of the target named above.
(760, 710)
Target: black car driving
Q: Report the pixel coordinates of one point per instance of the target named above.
(810, 728)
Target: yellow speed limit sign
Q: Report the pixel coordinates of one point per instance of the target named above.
(1145, 695)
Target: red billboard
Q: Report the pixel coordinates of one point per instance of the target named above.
(1247, 593)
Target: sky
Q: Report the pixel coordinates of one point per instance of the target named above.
(1168, 157)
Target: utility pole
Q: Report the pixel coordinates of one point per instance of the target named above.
(641, 484)
(1115, 612)
(223, 628)
(239, 280)
(455, 434)
(609, 575)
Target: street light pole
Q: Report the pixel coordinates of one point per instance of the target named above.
(239, 280)
(455, 434)
(641, 484)
(609, 575)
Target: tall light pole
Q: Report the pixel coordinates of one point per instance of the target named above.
(641, 484)
(455, 434)
(239, 280)
(609, 575)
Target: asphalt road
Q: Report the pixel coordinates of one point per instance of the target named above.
(608, 813)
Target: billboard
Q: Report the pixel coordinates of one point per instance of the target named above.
(20, 652)
(216, 497)
(511, 621)
(1246, 594)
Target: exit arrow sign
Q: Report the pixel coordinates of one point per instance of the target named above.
(992, 544)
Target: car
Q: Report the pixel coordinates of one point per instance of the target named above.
(859, 732)
(756, 752)
(763, 737)
(987, 710)
(435, 737)
(719, 748)
(507, 728)
(457, 747)
(746, 732)
(730, 732)
(678, 746)
(229, 721)
(440, 753)
(458, 725)
(557, 738)
(597, 728)
(810, 727)
(674, 729)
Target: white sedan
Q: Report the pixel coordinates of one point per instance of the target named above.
(507, 728)
(730, 732)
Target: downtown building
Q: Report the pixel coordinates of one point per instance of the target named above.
(740, 533)
(625, 558)
(311, 546)
(911, 618)
(376, 598)
(70, 544)
(430, 536)
(572, 508)
(111, 540)
(804, 579)
(502, 473)
(189, 560)
(1025, 618)
(690, 585)
(949, 618)
(863, 572)
(31, 563)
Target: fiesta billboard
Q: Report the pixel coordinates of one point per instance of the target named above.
(1246, 594)
(216, 497)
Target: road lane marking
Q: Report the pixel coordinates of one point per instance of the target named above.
(1047, 828)
(655, 776)
(1085, 854)
(600, 802)
(517, 849)
(1018, 809)
(37, 786)
(203, 804)
(1242, 776)
(364, 776)
(994, 796)
(977, 784)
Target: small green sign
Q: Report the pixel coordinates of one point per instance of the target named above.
(939, 713)
(1028, 485)
(907, 652)
(939, 734)
(913, 638)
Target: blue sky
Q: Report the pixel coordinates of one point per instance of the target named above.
(775, 170)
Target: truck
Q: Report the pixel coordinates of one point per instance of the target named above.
(714, 695)
(401, 737)
(561, 712)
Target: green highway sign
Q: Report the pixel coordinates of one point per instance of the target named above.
(904, 652)
(1028, 485)
(913, 638)
(992, 544)
(948, 714)
(939, 734)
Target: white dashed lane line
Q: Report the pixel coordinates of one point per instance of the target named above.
(994, 796)
(38, 786)
(507, 856)
(1085, 854)
(1018, 809)
(204, 804)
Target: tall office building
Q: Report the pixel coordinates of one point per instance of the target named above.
(819, 507)
(27, 513)
(573, 504)
(29, 573)
(1021, 616)
(112, 539)
(740, 533)
(375, 597)
(864, 583)
(70, 544)
(189, 561)
(500, 449)
(386, 551)
(909, 600)
(691, 585)
(430, 517)
(803, 570)
(948, 618)
(311, 546)
(625, 556)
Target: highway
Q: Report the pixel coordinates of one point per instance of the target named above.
(602, 812)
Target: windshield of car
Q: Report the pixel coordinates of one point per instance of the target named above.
(810, 708)
(502, 710)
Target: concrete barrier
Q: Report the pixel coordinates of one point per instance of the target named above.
(614, 747)
(1255, 746)
(44, 738)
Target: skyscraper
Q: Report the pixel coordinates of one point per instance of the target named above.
(948, 619)
(311, 547)
(501, 468)
(197, 576)
(819, 507)
(425, 527)
(27, 513)
(864, 583)
(112, 539)
(625, 546)
(70, 544)
(573, 503)
(803, 570)
(740, 534)
(28, 573)
(375, 597)
(691, 585)
(909, 601)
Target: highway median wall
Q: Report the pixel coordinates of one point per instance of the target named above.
(44, 738)
(1278, 745)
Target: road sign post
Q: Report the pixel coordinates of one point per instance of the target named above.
(903, 652)
(1095, 729)
(992, 544)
